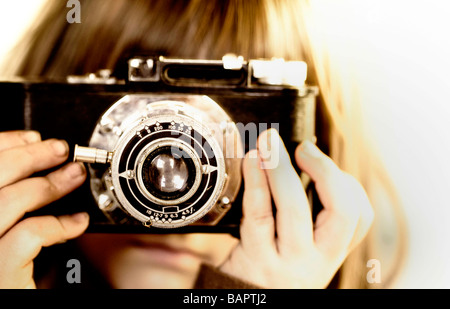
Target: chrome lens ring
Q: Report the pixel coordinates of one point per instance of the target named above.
(187, 185)
(132, 124)
(166, 130)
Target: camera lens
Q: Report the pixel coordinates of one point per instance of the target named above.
(168, 173)
(168, 164)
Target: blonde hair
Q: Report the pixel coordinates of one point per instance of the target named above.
(336, 49)
(252, 28)
(198, 29)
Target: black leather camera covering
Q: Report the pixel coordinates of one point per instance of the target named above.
(71, 111)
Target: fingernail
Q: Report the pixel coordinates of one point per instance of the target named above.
(266, 144)
(269, 149)
(80, 217)
(252, 154)
(75, 169)
(309, 149)
(60, 147)
(254, 157)
(31, 136)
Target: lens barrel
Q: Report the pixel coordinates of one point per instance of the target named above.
(168, 167)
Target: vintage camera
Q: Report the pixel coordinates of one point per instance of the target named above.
(164, 145)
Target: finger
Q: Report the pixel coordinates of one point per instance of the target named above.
(258, 223)
(346, 206)
(20, 162)
(25, 240)
(12, 139)
(293, 217)
(33, 193)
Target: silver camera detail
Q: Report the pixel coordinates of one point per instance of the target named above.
(169, 160)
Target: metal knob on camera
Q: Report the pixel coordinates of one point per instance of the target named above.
(91, 155)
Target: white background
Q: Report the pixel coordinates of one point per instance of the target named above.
(15, 17)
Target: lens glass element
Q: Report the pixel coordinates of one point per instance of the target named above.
(168, 173)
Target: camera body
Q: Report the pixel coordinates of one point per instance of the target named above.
(164, 145)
